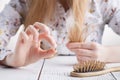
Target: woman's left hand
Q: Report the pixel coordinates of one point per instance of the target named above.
(28, 48)
(88, 51)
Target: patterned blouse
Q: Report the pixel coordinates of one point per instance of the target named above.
(101, 12)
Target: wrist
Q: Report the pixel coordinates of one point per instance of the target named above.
(107, 58)
(11, 61)
(112, 54)
(103, 54)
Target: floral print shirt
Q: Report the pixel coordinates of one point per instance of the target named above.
(101, 12)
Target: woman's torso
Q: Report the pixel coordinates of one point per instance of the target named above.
(99, 14)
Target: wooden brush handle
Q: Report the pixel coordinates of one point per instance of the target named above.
(97, 73)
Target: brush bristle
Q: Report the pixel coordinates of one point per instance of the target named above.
(89, 66)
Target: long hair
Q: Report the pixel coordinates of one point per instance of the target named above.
(76, 31)
(41, 10)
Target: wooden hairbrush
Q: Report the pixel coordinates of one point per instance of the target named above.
(91, 68)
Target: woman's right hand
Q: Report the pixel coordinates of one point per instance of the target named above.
(28, 49)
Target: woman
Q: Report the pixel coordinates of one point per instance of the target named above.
(59, 16)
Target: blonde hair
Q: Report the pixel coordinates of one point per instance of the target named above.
(41, 10)
(76, 31)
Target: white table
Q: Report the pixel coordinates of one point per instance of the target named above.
(30, 72)
(57, 68)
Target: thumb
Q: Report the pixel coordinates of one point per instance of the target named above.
(47, 53)
(48, 38)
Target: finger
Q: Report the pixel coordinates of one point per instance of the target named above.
(48, 38)
(42, 27)
(90, 45)
(28, 30)
(77, 45)
(83, 52)
(81, 59)
(23, 36)
(74, 45)
(47, 53)
(32, 31)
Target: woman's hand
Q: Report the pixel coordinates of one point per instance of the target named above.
(28, 49)
(89, 51)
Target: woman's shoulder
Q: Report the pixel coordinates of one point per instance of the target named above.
(107, 3)
(101, 4)
(106, 8)
(110, 11)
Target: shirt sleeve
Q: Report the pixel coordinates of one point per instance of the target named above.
(10, 20)
(111, 14)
